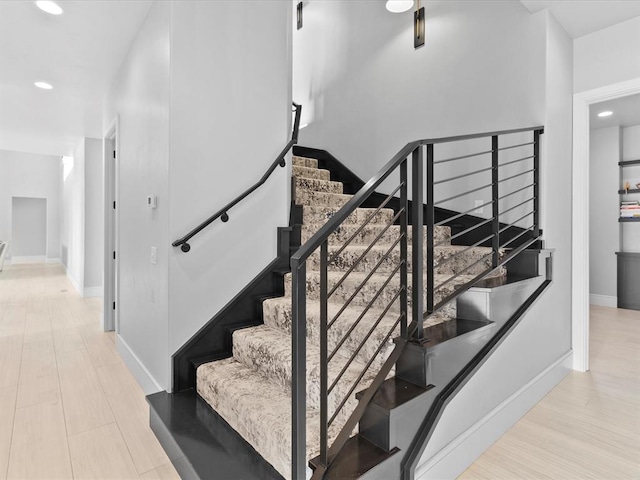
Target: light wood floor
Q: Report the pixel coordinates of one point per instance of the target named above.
(588, 427)
(69, 408)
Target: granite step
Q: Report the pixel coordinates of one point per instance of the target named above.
(315, 185)
(445, 263)
(319, 215)
(304, 162)
(267, 350)
(258, 409)
(307, 172)
(370, 232)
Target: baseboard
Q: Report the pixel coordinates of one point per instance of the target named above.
(53, 260)
(92, 292)
(603, 300)
(28, 259)
(458, 455)
(74, 282)
(146, 381)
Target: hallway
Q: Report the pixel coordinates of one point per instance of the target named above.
(69, 408)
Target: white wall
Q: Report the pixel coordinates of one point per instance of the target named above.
(29, 227)
(31, 175)
(607, 56)
(94, 216)
(631, 151)
(230, 116)
(604, 210)
(139, 95)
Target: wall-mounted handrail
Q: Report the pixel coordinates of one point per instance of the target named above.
(223, 213)
(419, 156)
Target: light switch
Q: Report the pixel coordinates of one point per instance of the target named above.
(154, 255)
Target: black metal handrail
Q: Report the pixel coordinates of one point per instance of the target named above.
(223, 214)
(411, 326)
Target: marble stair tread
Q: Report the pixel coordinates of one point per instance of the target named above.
(304, 161)
(444, 263)
(319, 215)
(323, 199)
(309, 172)
(370, 232)
(317, 185)
(258, 409)
(268, 351)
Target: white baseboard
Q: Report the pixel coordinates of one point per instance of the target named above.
(75, 283)
(458, 455)
(54, 260)
(92, 292)
(603, 300)
(32, 259)
(146, 381)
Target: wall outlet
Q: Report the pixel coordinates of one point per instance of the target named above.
(154, 255)
(477, 204)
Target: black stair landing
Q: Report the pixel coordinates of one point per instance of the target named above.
(200, 444)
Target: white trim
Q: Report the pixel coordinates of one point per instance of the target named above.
(92, 292)
(580, 214)
(603, 300)
(109, 319)
(456, 457)
(136, 367)
(53, 260)
(28, 259)
(74, 282)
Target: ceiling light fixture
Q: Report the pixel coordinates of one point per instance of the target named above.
(43, 85)
(50, 7)
(608, 113)
(399, 6)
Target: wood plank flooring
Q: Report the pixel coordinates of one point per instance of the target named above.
(69, 408)
(588, 427)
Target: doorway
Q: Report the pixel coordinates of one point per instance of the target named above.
(28, 229)
(110, 280)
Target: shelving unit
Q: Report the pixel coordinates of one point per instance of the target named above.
(628, 261)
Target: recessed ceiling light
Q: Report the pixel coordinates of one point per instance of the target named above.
(399, 6)
(50, 7)
(605, 114)
(43, 85)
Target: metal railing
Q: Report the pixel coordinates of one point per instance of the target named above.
(223, 213)
(410, 291)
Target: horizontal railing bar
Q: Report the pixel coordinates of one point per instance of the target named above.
(516, 191)
(457, 177)
(463, 194)
(341, 249)
(355, 324)
(366, 222)
(363, 342)
(516, 206)
(513, 224)
(478, 135)
(515, 161)
(528, 229)
(470, 283)
(361, 257)
(448, 259)
(364, 282)
(454, 217)
(461, 272)
(373, 357)
(516, 146)
(459, 234)
(462, 157)
(516, 175)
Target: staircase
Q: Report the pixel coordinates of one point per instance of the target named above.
(251, 390)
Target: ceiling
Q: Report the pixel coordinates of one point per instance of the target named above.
(626, 112)
(77, 52)
(581, 17)
(80, 51)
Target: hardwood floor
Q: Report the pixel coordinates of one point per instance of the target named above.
(588, 427)
(69, 408)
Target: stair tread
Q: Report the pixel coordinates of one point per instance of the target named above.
(395, 392)
(257, 408)
(311, 172)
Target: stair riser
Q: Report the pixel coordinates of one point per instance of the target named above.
(308, 184)
(305, 162)
(313, 173)
(329, 200)
(320, 215)
(370, 232)
(349, 258)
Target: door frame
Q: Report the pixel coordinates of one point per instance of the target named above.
(580, 213)
(110, 145)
